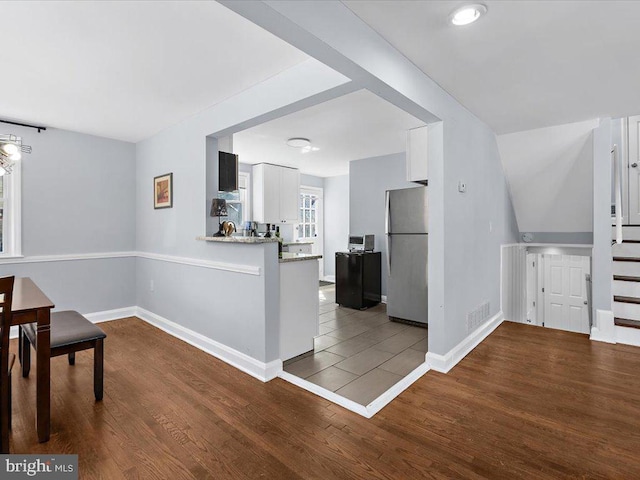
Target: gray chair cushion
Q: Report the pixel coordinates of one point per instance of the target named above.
(67, 328)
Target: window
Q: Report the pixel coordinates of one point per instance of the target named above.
(238, 210)
(10, 244)
(308, 216)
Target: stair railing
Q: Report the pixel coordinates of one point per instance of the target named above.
(617, 185)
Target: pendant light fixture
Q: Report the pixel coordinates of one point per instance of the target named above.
(11, 150)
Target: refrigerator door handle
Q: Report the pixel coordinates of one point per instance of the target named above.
(388, 237)
(387, 213)
(387, 228)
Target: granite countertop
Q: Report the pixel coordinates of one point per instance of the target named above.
(286, 244)
(238, 239)
(297, 257)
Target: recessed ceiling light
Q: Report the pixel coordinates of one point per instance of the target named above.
(299, 142)
(467, 14)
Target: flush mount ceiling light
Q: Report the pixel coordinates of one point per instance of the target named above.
(304, 144)
(467, 14)
(11, 150)
(299, 142)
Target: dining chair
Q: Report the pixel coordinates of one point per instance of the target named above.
(6, 362)
(70, 333)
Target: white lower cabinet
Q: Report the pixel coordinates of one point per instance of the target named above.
(299, 307)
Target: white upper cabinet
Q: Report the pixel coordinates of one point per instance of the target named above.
(289, 194)
(275, 193)
(417, 154)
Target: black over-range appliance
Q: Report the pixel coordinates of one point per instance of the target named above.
(358, 279)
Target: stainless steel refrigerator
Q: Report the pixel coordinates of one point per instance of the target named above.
(406, 228)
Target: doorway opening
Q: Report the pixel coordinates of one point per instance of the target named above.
(547, 286)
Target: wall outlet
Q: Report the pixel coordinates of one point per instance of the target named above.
(462, 186)
(152, 286)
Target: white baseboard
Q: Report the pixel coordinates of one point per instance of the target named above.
(371, 409)
(383, 298)
(109, 315)
(444, 363)
(604, 329)
(262, 371)
(329, 278)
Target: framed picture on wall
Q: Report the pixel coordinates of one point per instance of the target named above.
(163, 191)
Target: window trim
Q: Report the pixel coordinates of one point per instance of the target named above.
(249, 206)
(12, 214)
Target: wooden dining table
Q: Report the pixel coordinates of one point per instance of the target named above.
(31, 305)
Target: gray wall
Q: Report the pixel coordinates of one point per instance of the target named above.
(369, 179)
(336, 219)
(78, 194)
(235, 309)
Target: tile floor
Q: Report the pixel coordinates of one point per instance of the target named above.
(359, 354)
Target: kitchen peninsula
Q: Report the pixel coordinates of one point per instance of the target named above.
(298, 295)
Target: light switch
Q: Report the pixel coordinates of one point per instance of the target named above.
(462, 186)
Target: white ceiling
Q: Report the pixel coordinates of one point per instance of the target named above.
(127, 70)
(526, 64)
(355, 126)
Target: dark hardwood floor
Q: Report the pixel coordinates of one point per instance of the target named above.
(527, 403)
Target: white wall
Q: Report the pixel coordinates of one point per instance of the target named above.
(369, 179)
(550, 173)
(336, 220)
(77, 198)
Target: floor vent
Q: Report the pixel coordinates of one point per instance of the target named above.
(478, 316)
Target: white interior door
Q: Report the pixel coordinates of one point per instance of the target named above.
(634, 170)
(565, 292)
(311, 218)
(532, 288)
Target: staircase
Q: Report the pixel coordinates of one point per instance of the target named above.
(626, 278)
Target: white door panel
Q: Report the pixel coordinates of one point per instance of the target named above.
(634, 171)
(565, 294)
(532, 288)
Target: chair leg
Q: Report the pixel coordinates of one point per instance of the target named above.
(98, 369)
(4, 420)
(72, 358)
(26, 356)
(20, 345)
(10, 402)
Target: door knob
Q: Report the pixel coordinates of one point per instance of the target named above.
(634, 165)
(585, 302)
